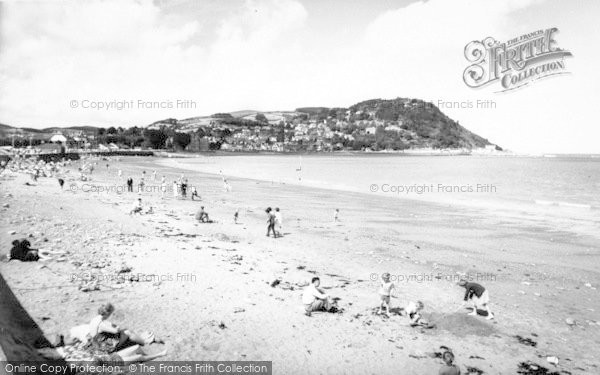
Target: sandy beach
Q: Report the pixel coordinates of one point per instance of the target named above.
(208, 289)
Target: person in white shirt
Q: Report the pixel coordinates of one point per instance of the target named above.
(137, 207)
(385, 292)
(336, 214)
(278, 221)
(314, 298)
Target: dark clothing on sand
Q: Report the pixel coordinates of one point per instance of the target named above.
(473, 289)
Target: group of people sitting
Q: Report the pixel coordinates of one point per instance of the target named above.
(315, 299)
(103, 342)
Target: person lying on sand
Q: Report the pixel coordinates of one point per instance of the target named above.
(478, 295)
(315, 299)
(77, 353)
(202, 216)
(106, 337)
(449, 368)
(385, 292)
(137, 207)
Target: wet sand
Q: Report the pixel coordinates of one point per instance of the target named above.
(206, 288)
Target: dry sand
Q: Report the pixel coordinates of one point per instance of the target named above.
(215, 301)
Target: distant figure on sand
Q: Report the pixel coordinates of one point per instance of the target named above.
(202, 216)
(385, 292)
(120, 173)
(235, 216)
(315, 299)
(184, 188)
(478, 295)
(61, 182)
(154, 175)
(270, 222)
(175, 189)
(194, 193)
(226, 186)
(449, 368)
(137, 207)
(336, 214)
(130, 184)
(278, 222)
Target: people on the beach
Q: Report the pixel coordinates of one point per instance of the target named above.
(385, 292)
(154, 175)
(449, 368)
(104, 336)
(270, 222)
(175, 187)
(21, 251)
(194, 192)
(478, 296)
(278, 222)
(236, 216)
(202, 216)
(336, 215)
(136, 207)
(61, 182)
(315, 299)
(413, 311)
(130, 184)
(184, 188)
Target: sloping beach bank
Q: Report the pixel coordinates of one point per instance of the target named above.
(216, 273)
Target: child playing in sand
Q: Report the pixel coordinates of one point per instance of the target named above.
(449, 368)
(137, 207)
(478, 295)
(413, 311)
(385, 292)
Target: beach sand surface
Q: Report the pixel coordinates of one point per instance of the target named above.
(206, 288)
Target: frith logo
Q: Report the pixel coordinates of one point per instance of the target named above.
(514, 63)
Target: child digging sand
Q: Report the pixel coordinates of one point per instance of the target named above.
(385, 292)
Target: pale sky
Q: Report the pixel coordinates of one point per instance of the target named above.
(283, 54)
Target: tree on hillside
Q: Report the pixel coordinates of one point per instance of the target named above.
(261, 118)
(181, 140)
(154, 138)
(111, 130)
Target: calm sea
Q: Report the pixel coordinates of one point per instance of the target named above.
(549, 188)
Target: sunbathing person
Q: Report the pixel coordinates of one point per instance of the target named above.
(106, 337)
(77, 353)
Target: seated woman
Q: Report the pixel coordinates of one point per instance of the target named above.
(106, 337)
